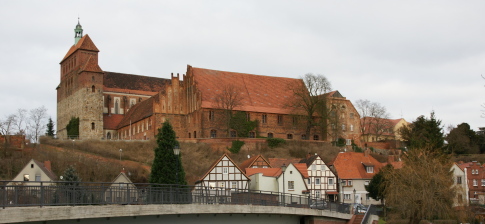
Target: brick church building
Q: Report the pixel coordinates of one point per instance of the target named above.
(113, 105)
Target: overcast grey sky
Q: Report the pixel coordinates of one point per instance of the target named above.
(410, 56)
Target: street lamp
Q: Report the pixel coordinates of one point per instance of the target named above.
(121, 150)
(176, 152)
(283, 168)
(355, 196)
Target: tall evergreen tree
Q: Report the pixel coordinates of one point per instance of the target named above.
(424, 133)
(50, 128)
(167, 167)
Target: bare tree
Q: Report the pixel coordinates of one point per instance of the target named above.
(227, 100)
(20, 123)
(374, 118)
(6, 127)
(37, 122)
(422, 189)
(309, 99)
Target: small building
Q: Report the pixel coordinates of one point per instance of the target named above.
(322, 182)
(35, 172)
(121, 190)
(461, 185)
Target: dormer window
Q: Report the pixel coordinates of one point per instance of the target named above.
(369, 169)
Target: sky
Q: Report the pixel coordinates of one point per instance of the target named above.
(412, 57)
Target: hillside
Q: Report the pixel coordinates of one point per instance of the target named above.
(99, 161)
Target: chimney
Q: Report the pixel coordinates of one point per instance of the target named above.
(47, 165)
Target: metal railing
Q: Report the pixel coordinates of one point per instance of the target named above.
(32, 193)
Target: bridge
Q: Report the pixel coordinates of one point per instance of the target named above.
(64, 202)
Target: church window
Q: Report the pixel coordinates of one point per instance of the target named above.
(195, 134)
(92, 126)
(270, 135)
(316, 137)
(280, 119)
(92, 78)
(264, 117)
(117, 106)
(252, 134)
(289, 136)
(189, 134)
(213, 133)
(108, 136)
(303, 137)
(93, 89)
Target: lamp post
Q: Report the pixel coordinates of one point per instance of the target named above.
(176, 152)
(121, 150)
(355, 196)
(283, 168)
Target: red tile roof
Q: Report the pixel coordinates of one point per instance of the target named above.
(350, 165)
(137, 113)
(124, 82)
(111, 121)
(302, 167)
(269, 172)
(85, 43)
(250, 162)
(259, 93)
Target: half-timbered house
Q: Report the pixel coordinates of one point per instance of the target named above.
(224, 173)
(322, 182)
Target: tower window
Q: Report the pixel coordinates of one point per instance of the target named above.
(93, 89)
(93, 126)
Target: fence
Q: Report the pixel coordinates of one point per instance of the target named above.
(19, 194)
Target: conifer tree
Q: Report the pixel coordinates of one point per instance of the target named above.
(165, 164)
(50, 128)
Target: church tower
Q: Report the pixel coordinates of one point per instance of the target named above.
(80, 92)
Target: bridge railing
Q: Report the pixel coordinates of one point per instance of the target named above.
(32, 193)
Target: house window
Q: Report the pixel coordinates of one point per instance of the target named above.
(303, 137)
(213, 133)
(289, 136)
(26, 177)
(317, 181)
(37, 177)
(475, 182)
(316, 137)
(483, 182)
(270, 135)
(314, 167)
(211, 115)
(32, 165)
(369, 169)
(309, 181)
(233, 184)
(322, 167)
(458, 180)
(348, 141)
(212, 185)
(366, 183)
(351, 127)
(346, 196)
(264, 118)
(330, 181)
(225, 170)
(291, 185)
(317, 194)
(367, 197)
(233, 133)
(252, 134)
(280, 119)
(343, 127)
(222, 184)
(349, 183)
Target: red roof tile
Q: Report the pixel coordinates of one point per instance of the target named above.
(111, 121)
(124, 82)
(350, 165)
(85, 43)
(251, 162)
(259, 93)
(137, 113)
(302, 167)
(269, 172)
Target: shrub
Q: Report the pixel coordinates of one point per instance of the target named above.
(236, 146)
(275, 142)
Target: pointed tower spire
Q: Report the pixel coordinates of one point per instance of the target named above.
(78, 32)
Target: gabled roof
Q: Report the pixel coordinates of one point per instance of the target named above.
(350, 165)
(122, 175)
(48, 172)
(250, 162)
(309, 160)
(302, 168)
(122, 82)
(137, 113)
(85, 43)
(217, 162)
(258, 93)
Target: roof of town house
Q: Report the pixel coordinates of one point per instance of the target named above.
(278, 162)
(111, 121)
(268, 172)
(302, 168)
(309, 159)
(215, 164)
(85, 43)
(251, 162)
(145, 85)
(137, 113)
(350, 165)
(266, 94)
